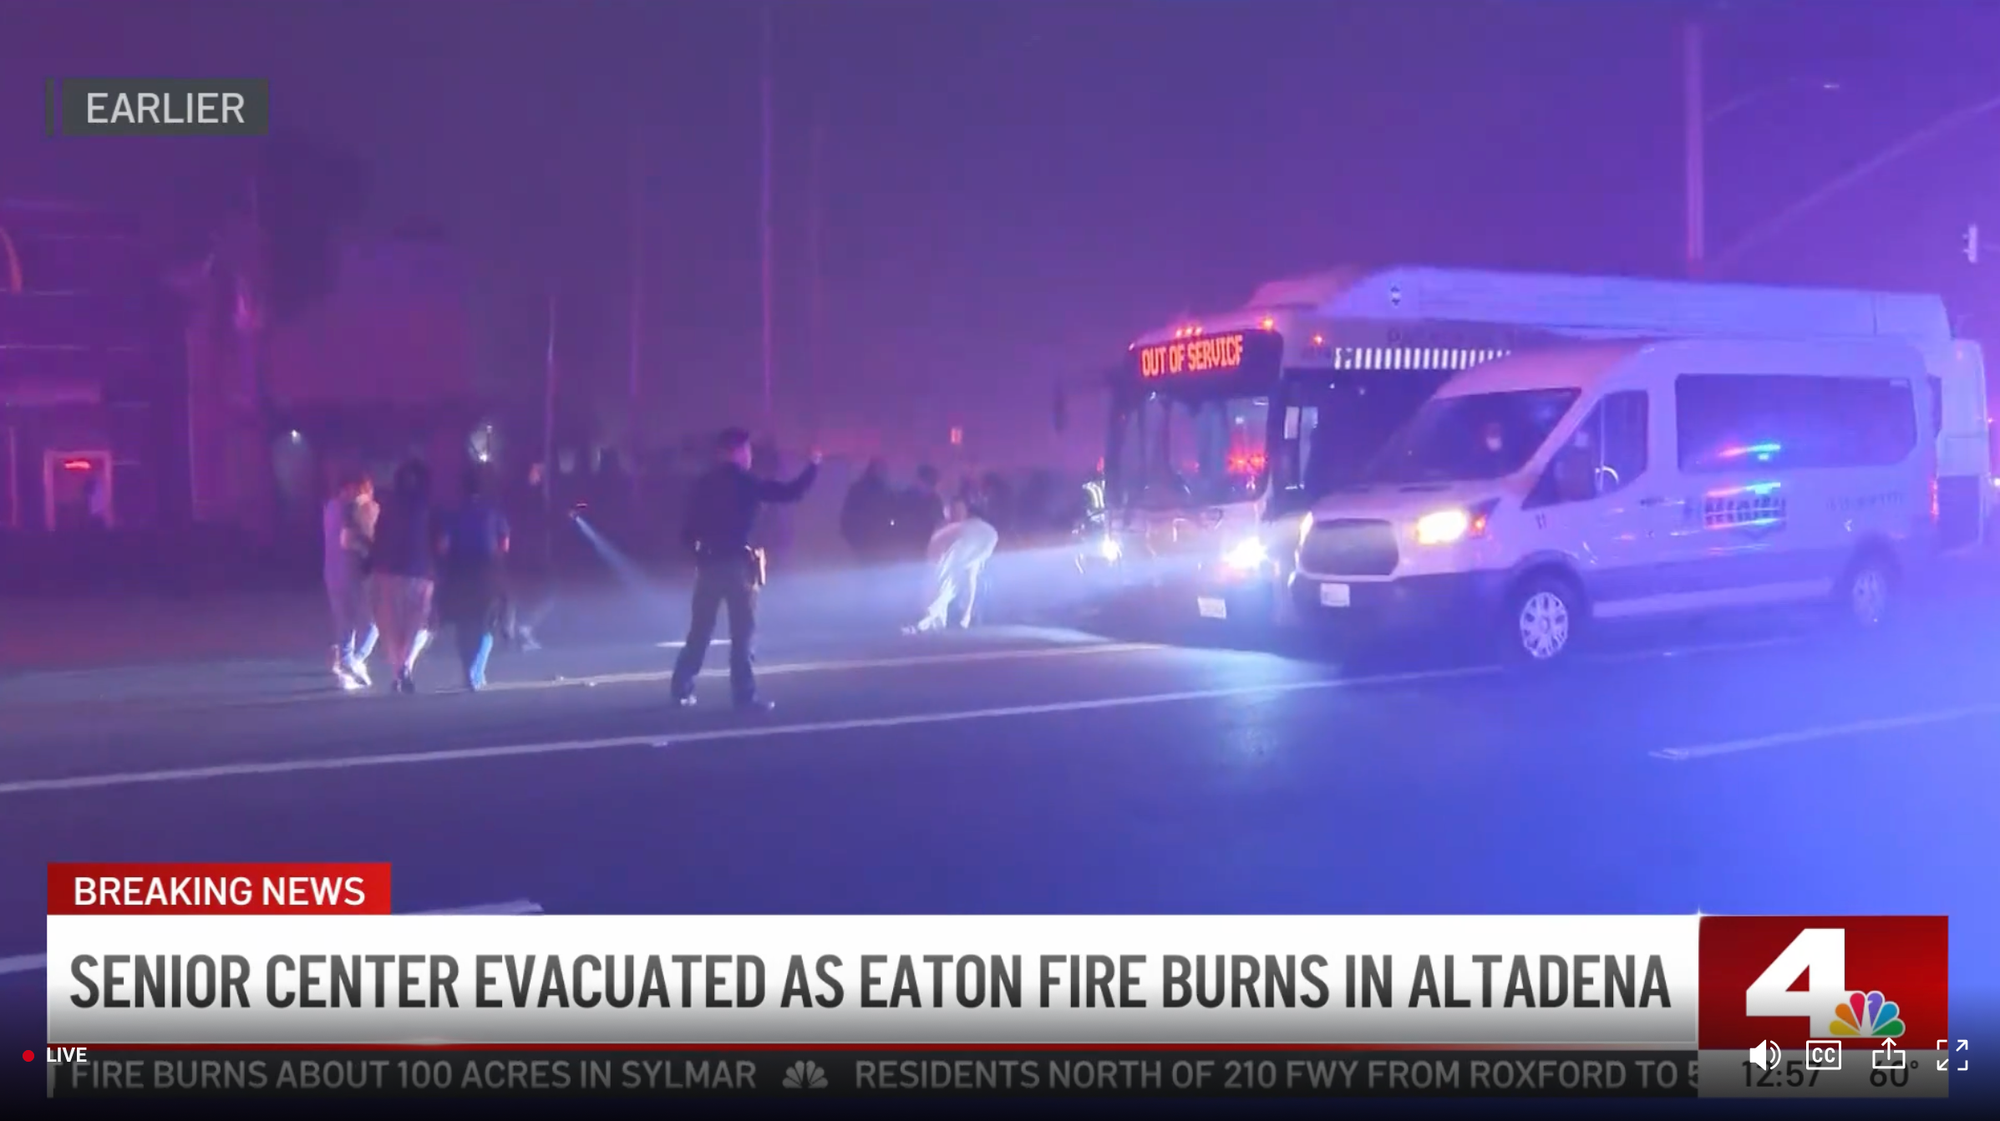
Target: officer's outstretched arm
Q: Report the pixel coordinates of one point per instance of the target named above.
(770, 490)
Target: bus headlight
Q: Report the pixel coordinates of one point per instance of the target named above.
(1245, 554)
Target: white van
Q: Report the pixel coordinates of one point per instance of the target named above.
(1549, 490)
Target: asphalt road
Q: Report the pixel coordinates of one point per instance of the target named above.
(1766, 768)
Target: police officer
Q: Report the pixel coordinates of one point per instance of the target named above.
(722, 509)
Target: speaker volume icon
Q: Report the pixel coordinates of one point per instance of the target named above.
(1765, 1055)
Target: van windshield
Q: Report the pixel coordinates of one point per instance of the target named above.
(1473, 437)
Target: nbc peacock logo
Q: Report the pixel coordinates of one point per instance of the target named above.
(805, 1075)
(1867, 1015)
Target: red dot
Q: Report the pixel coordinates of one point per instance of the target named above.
(27, 1056)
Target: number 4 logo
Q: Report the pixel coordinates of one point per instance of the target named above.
(1819, 955)
(1822, 978)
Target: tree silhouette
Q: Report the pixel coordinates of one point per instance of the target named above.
(307, 193)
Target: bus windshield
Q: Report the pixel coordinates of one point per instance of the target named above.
(1474, 437)
(1334, 428)
(1171, 451)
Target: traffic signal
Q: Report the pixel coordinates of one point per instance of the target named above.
(1972, 243)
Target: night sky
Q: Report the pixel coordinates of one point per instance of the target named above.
(1011, 190)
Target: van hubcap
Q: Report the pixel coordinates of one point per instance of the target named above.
(1869, 595)
(1544, 625)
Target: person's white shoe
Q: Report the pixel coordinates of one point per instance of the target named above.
(347, 681)
(357, 671)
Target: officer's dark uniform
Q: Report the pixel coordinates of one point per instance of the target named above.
(721, 512)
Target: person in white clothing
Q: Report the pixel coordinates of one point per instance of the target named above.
(958, 552)
(348, 525)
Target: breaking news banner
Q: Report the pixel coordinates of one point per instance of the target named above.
(158, 106)
(274, 980)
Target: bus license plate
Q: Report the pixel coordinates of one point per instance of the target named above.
(1211, 608)
(1335, 595)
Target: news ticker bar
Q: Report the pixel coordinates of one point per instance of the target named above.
(1123, 1072)
(1069, 1072)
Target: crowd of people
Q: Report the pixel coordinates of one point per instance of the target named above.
(403, 567)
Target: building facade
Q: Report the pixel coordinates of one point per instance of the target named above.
(92, 418)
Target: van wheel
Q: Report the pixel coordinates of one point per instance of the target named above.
(1543, 620)
(1867, 593)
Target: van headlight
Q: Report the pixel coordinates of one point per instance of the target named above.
(1442, 527)
(1247, 553)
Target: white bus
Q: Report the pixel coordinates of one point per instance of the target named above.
(1225, 428)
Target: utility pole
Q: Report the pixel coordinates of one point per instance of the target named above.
(764, 216)
(635, 313)
(549, 432)
(816, 232)
(1695, 111)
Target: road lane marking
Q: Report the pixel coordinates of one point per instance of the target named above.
(748, 731)
(838, 665)
(35, 963)
(1828, 732)
(974, 656)
(305, 696)
(754, 731)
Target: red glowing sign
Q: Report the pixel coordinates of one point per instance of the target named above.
(79, 465)
(1201, 354)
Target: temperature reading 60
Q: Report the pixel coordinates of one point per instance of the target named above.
(1898, 1076)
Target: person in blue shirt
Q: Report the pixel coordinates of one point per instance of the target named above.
(471, 594)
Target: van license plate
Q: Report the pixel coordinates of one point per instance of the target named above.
(1335, 595)
(1211, 608)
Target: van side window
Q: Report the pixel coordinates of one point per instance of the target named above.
(1612, 441)
(1624, 439)
(1735, 422)
(1937, 405)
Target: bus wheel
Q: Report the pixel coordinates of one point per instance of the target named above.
(1543, 620)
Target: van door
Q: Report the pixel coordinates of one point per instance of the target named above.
(1589, 502)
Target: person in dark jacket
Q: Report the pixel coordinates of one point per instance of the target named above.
(868, 513)
(922, 511)
(721, 514)
(402, 571)
(529, 576)
(471, 593)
